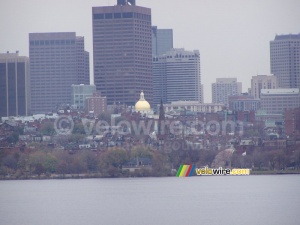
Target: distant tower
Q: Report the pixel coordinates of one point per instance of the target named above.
(122, 44)
(57, 60)
(162, 41)
(177, 76)
(14, 85)
(285, 61)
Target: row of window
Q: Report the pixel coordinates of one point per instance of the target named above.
(125, 15)
(52, 42)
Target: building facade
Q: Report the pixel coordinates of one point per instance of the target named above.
(243, 102)
(276, 101)
(292, 122)
(14, 85)
(80, 93)
(162, 41)
(262, 82)
(177, 76)
(96, 104)
(193, 106)
(285, 60)
(122, 44)
(225, 87)
(57, 60)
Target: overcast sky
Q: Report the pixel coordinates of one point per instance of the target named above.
(232, 35)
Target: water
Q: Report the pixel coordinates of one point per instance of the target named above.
(215, 200)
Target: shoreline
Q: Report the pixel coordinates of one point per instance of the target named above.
(100, 176)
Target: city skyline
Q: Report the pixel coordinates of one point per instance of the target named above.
(232, 37)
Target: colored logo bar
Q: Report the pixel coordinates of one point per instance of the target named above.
(185, 170)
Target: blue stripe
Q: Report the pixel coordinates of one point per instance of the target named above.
(192, 170)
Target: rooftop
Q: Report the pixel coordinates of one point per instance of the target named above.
(287, 36)
(286, 91)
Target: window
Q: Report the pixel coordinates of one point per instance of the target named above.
(108, 15)
(117, 15)
(98, 16)
(127, 15)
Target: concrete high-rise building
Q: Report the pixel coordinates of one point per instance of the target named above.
(262, 82)
(122, 45)
(285, 60)
(177, 76)
(80, 92)
(14, 85)
(162, 41)
(83, 62)
(57, 60)
(225, 87)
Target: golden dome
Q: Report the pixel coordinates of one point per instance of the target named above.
(142, 104)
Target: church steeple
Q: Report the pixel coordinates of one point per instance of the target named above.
(161, 120)
(161, 111)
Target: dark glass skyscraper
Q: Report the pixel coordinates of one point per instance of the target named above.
(162, 41)
(122, 44)
(57, 60)
(14, 85)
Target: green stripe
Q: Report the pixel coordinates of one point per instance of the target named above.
(179, 171)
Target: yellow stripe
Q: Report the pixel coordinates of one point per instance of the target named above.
(184, 169)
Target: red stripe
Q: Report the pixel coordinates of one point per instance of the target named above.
(189, 170)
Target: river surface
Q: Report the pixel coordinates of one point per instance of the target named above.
(218, 200)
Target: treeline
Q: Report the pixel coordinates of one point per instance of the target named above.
(115, 162)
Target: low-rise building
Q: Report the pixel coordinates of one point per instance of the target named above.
(193, 106)
(96, 104)
(276, 101)
(243, 102)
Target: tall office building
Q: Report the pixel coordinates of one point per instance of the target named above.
(177, 76)
(285, 60)
(14, 85)
(122, 51)
(162, 41)
(225, 87)
(262, 82)
(82, 62)
(57, 60)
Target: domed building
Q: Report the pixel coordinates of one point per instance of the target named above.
(142, 105)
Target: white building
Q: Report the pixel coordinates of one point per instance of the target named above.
(177, 76)
(275, 101)
(262, 82)
(225, 87)
(193, 106)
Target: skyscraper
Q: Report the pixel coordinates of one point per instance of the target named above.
(225, 87)
(57, 60)
(14, 85)
(176, 76)
(285, 60)
(162, 40)
(122, 51)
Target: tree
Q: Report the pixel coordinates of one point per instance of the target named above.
(112, 160)
(47, 129)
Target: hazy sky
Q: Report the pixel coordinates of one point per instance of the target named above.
(232, 35)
